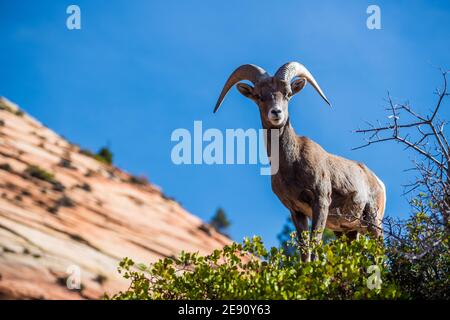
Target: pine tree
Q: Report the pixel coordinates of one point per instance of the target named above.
(220, 221)
(104, 155)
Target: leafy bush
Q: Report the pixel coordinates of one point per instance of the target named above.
(250, 271)
(284, 236)
(40, 173)
(65, 201)
(58, 186)
(86, 187)
(25, 193)
(104, 155)
(66, 163)
(6, 167)
(139, 180)
(7, 108)
(53, 209)
(419, 257)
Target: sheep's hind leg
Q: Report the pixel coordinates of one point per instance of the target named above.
(374, 225)
(301, 225)
(338, 234)
(352, 235)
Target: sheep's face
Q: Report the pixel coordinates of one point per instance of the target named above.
(272, 96)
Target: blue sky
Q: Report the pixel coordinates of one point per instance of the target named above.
(137, 70)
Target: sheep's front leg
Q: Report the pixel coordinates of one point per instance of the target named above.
(301, 225)
(319, 219)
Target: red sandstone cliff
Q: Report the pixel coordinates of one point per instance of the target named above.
(84, 213)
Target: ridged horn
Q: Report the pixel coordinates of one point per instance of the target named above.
(248, 72)
(291, 70)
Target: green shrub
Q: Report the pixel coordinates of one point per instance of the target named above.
(250, 271)
(419, 259)
(66, 163)
(6, 167)
(104, 155)
(53, 209)
(40, 173)
(140, 180)
(86, 187)
(58, 186)
(6, 108)
(25, 193)
(65, 201)
(284, 237)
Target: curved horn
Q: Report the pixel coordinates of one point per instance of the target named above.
(249, 72)
(291, 70)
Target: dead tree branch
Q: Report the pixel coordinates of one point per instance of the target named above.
(424, 135)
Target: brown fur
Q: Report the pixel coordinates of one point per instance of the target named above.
(340, 194)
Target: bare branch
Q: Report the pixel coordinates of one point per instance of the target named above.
(424, 134)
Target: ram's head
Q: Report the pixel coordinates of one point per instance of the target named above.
(271, 93)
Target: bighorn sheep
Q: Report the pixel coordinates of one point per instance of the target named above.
(340, 194)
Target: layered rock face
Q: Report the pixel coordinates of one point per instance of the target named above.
(65, 215)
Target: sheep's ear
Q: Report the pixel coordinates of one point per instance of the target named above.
(245, 89)
(298, 85)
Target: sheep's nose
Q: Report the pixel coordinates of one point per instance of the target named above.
(275, 112)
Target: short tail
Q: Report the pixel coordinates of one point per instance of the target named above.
(382, 200)
(381, 206)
